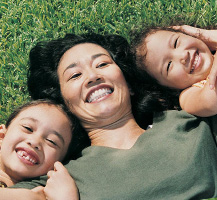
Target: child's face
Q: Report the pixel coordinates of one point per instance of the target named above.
(177, 60)
(35, 139)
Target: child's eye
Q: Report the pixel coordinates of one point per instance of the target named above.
(168, 66)
(175, 44)
(102, 65)
(51, 141)
(28, 128)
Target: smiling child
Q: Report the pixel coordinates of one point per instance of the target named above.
(35, 136)
(179, 61)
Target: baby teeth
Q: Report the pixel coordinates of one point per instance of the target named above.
(195, 63)
(21, 153)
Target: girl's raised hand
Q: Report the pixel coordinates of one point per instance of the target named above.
(213, 73)
(207, 36)
(60, 185)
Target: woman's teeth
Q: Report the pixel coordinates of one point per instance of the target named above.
(99, 94)
(194, 63)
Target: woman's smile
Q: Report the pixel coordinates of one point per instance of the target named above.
(99, 93)
(97, 87)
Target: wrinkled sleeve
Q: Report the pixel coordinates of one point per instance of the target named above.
(31, 183)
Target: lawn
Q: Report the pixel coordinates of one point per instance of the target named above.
(25, 22)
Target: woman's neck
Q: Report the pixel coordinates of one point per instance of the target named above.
(121, 134)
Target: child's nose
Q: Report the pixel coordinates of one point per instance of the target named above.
(184, 57)
(35, 143)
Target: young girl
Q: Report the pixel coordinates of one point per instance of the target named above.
(35, 136)
(179, 61)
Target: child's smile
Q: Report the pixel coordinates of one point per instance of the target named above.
(177, 60)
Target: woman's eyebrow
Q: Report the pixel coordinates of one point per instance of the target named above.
(92, 58)
(69, 67)
(98, 55)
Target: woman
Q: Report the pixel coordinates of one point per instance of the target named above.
(94, 76)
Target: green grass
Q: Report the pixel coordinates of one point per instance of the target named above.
(25, 22)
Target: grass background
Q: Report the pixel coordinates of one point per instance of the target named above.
(25, 22)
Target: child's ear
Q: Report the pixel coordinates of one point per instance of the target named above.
(2, 131)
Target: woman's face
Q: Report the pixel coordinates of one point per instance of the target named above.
(92, 85)
(177, 60)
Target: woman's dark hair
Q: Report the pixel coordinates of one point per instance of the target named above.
(44, 59)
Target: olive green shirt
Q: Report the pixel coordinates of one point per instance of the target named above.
(176, 159)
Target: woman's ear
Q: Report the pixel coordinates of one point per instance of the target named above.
(131, 91)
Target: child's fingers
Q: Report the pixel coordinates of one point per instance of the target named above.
(213, 74)
(38, 189)
(212, 80)
(207, 36)
(50, 173)
(58, 166)
(193, 31)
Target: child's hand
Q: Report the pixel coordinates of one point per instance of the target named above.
(213, 73)
(60, 185)
(207, 36)
(40, 192)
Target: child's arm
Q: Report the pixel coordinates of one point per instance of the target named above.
(199, 101)
(60, 184)
(21, 194)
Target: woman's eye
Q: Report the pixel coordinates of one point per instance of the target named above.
(51, 141)
(74, 76)
(102, 65)
(175, 44)
(168, 66)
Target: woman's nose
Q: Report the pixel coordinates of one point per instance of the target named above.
(93, 77)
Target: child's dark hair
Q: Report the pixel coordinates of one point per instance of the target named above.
(73, 148)
(18, 110)
(154, 96)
